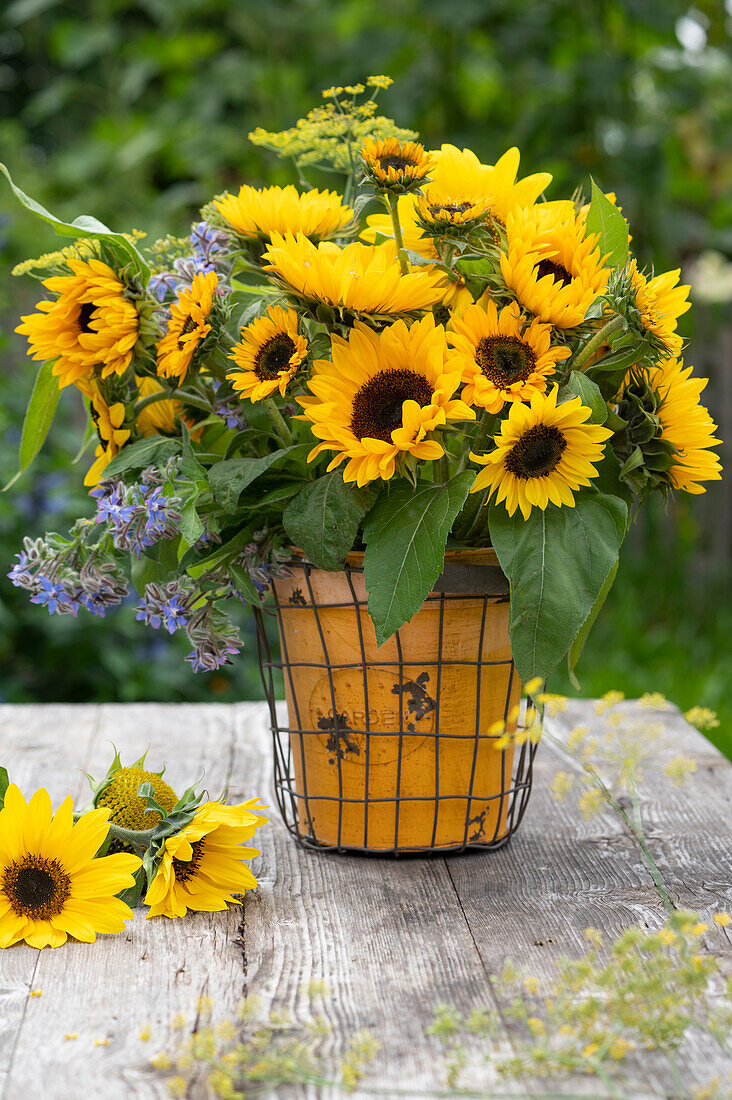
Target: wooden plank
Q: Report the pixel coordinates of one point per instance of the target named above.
(559, 875)
(154, 970)
(387, 936)
(35, 757)
(392, 939)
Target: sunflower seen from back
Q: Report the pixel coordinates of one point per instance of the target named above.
(259, 213)
(382, 399)
(357, 278)
(201, 866)
(268, 355)
(51, 886)
(91, 328)
(686, 424)
(544, 452)
(552, 267)
(502, 356)
(188, 327)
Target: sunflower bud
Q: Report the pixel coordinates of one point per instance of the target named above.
(119, 791)
(446, 216)
(394, 166)
(645, 454)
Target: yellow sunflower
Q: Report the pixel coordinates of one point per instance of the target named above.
(51, 886)
(159, 418)
(259, 213)
(187, 327)
(91, 327)
(201, 867)
(543, 452)
(459, 185)
(502, 357)
(554, 270)
(269, 354)
(461, 175)
(687, 424)
(443, 212)
(395, 165)
(108, 421)
(660, 302)
(381, 397)
(359, 277)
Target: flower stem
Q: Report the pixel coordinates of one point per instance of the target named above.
(393, 210)
(615, 324)
(151, 398)
(138, 838)
(283, 430)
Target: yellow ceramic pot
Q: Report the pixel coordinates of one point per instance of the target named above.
(391, 748)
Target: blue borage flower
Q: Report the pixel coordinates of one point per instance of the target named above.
(137, 517)
(55, 597)
(62, 580)
(167, 605)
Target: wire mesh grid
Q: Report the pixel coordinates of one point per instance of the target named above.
(395, 751)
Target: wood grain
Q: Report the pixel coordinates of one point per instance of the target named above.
(392, 938)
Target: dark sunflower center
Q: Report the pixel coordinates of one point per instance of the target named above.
(558, 273)
(36, 887)
(188, 326)
(504, 359)
(396, 162)
(537, 452)
(449, 208)
(183, 869)
(85, 315)
(273, 357)
(377, 407)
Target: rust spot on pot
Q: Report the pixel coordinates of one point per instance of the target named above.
(339, 742)
(479, 822)
(419, 703)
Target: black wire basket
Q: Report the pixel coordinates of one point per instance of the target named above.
(404, 749)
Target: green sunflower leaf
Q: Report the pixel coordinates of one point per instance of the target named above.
(85, 226)
(322, 520)
(4, 784)
(131, 896)
(229, 479)
(38, 417)
(557, 562)
(153, 451)
(405, 534)
(579, 385)
(575, 650)
(606, 219)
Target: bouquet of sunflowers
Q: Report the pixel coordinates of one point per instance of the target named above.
(438, 355)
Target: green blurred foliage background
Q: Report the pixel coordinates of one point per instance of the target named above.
(137, 112)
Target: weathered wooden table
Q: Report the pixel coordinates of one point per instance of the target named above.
(392, 938)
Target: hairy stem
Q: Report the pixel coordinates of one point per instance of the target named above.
(615, 324)
(283, 430)
(393, 210)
